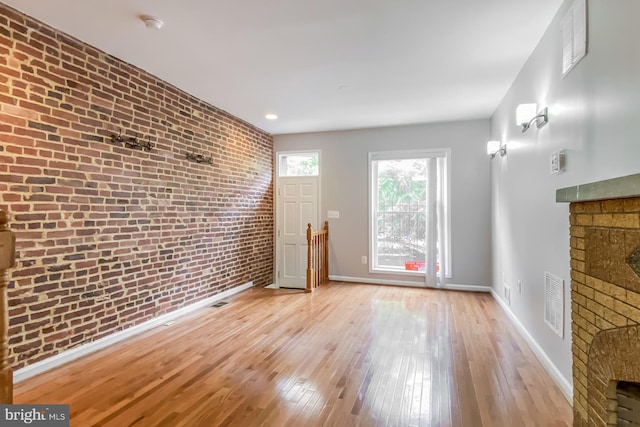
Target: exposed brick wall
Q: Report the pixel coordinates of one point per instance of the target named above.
(605, 294)
(109, 237)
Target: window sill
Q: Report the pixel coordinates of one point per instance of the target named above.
(400, 272)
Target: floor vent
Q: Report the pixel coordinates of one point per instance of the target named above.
(219, 304)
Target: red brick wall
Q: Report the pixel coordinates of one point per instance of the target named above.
(109, 237)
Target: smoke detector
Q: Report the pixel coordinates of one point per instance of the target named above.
(152, 22)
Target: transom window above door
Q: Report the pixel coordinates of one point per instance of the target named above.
(298, 164)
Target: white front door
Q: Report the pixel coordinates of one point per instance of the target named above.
(297, 206)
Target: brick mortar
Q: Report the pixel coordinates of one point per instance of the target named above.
(110, 237)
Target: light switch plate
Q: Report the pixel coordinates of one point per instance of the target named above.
(557, 162)
(333, 214)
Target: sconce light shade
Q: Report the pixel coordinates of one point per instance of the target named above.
(524, 113)
(492, 147)
(496, 147)
(527, 114)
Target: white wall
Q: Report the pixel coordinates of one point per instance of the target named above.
(594, 115)
(344, 170)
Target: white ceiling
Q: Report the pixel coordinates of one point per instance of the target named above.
(323, 64)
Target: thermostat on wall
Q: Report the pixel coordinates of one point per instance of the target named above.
(557, 162)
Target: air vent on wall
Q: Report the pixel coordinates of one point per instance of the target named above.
(554, 303)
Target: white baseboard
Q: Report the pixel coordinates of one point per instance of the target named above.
(85, 349)
(376, 281)
(453, 287)
(468, 288)
(549, 366)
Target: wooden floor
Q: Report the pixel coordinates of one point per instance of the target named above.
(346, 355)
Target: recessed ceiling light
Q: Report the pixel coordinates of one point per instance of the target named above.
(270, 116)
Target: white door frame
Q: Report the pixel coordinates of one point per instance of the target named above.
(276, 246)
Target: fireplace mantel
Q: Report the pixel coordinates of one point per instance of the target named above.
(616, 188)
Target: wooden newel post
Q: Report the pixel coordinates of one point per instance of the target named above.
(325, 268)
(309, 269)
(7, 260)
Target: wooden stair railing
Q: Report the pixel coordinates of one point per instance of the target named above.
(7, 259)
(317, 257)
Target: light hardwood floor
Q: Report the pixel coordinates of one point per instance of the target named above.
(346, 355)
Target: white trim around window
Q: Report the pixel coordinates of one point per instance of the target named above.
(442, 157)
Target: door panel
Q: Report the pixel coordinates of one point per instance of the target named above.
(289, 190)
(307, 210)
(307, 190)
(302, 259)
(290, 222)
(290, 260)
(297, 206)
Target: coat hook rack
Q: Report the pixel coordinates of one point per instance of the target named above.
(199, 158)
(132, 142)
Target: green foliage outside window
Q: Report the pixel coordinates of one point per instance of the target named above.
(302, 165)
(401, 211)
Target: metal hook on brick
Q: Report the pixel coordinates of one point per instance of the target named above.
(132, 141)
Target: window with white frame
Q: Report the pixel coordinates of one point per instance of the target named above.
(409, 210)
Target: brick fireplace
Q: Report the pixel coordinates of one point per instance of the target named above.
(605, 295)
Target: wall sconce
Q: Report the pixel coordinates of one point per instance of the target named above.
(496, 147)
(526, 114)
